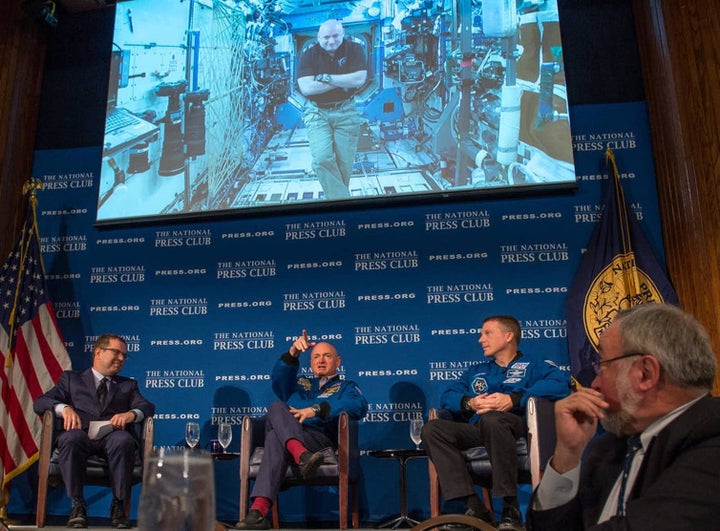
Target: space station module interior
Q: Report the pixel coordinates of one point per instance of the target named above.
(460, 94)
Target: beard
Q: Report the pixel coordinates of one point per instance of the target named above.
(622, 422)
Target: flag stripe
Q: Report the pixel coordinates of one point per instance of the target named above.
(27, 388)
(52, 343)
(26, 376)
(8, 461)
(23, 436)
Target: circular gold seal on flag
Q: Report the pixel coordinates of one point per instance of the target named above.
(620, 285)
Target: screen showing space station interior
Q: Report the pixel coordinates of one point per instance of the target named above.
(218, 106)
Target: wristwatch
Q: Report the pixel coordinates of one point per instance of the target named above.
(316, 409)
(134, 415)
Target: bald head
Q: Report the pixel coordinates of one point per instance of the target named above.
(330, 35)
(324, 360)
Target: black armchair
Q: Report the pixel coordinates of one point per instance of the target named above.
(341, 467)
(97, 468)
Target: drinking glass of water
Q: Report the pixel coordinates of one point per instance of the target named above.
(178, 492)
(224, 435)
(192, 434)
(416, 426)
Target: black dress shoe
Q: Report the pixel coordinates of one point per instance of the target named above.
(78, 517)
(511, 520)
(309, 463)
(253, 520)
(118, 519)
(485, 516)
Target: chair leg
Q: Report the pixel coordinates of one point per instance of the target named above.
(434, 490)
(487, 498)
(41, 500)
(275, 515)
(343, 510)
(244, 498)
(356, 508)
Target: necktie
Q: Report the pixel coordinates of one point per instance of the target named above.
(102, 391)
(633, 445)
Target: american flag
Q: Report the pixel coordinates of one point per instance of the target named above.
(32, 350)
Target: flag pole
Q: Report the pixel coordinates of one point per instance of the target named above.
(632, 280)
(30, 188)
(4, 499)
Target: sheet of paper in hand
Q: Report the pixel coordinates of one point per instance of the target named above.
(99, 429)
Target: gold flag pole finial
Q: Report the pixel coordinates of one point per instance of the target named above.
(31, 187)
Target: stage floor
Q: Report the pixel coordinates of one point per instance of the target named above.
(108, 528)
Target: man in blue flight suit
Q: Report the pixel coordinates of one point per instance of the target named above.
(302, 422)
(492, 396)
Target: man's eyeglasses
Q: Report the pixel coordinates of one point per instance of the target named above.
(115, 351)
(599, 363)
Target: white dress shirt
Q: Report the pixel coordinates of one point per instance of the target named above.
(98, 378)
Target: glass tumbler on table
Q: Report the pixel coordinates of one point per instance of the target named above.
(178, 492)
(224, 435)
(192, 434)
(416, 426)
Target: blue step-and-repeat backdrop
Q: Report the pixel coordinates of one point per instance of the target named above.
(208, 306)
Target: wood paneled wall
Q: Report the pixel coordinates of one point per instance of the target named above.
(22, 53)
(679, 44)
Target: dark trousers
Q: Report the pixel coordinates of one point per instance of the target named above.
(118, 447)
(280, 427)
(497, 431)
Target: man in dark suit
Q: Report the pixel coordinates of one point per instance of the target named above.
(98, 393)
(656, 468)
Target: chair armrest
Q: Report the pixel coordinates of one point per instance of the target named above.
(448, 414)
(46, 442)
(252, 435)
(348, 447)
(432, 473)
(541, 435)
(443, 414)
(148, 437)
(47, 438)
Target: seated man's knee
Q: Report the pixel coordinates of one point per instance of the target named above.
(277, 407)
(431, 430)
(73, 439)
(121, 441)
(497, 420)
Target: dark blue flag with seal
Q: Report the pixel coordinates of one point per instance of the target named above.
(618, 270)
